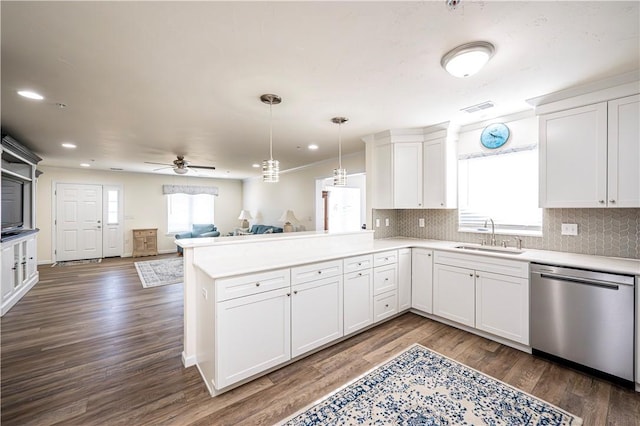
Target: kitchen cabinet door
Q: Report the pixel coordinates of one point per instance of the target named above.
(422, 280)
(624, 152)
(573, 157)
(9, 271)
(252, 335)
(502, 306)
(404, 279)
(454, 293)
(407, 175)
(440, 181)
(316, 314)
(358, 300)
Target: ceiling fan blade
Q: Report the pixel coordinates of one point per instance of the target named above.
(201, 167)
(162, 164)
(162, 168)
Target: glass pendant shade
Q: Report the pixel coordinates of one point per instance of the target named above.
(270, 171)
(339, 177)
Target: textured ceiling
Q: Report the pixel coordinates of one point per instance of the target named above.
(146, 81)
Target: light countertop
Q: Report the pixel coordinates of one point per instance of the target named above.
(304, 256)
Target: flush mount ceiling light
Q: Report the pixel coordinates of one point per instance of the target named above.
(339, 174)
(270, 167)
(467, 59)
(30, 95)
(313, 147)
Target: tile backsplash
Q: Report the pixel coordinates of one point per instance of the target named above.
(603, 232)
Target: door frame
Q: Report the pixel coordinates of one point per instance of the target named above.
(54, 212)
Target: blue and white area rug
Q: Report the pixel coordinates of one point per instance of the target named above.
(422, 387)
(154, 273)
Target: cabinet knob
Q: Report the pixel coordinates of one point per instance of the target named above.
(429, 254)
(470, 275)
(295, 291)
(386, 279)
(288, 294)
(442, 204)
(386, 306)
(319, 272)
(360, 264)
(257, 284)
(477, 276)
(612, 201)
(31, 258)
(601, 201)
(359, 274)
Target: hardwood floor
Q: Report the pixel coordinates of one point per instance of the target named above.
(88, 345)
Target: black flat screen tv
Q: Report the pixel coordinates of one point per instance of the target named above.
(12, 208)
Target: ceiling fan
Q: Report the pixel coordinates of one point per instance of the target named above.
(181, 166)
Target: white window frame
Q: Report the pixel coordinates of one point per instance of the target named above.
(173, 227)
(471, 219)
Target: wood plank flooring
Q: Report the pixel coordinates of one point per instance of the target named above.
(89, 346)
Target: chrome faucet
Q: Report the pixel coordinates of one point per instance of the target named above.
(493, 230)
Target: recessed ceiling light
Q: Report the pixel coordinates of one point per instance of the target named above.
(313, 147)
(31, 95)
(255, 165)
(85, 165)
(68, 145)
(467, 59)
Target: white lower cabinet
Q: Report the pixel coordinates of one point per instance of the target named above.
(489, 294)
(454, 294)
(502, 306)
(358, 300)
(19, 270)
(316, 314)
(252, 335)
(422, 279)
(385, 306)
(404, 279)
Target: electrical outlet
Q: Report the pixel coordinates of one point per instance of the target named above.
(386, 221)
(569, 229)
(421, 222)
(377, 223)
(204, 294)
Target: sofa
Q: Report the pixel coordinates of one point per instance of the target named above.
(198, 231)
(265, 229)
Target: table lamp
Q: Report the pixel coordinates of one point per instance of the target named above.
(245, 217)
(288, 217)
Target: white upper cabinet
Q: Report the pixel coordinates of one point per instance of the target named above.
(589, 156)
(407, 178)
(623, 184)
(439, 168)
(412, 168)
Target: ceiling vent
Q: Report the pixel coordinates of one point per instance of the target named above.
(478, 107)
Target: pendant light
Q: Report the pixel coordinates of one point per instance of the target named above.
(339, 174)
(271, 167)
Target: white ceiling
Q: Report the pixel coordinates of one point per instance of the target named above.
(146, 81)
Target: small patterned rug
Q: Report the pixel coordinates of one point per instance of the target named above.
(154, 273)
(422, 387)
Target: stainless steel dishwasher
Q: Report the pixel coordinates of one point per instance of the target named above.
(585, 317)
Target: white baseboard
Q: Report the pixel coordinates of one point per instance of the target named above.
(188, 361)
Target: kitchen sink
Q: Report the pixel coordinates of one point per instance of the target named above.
(490, 249)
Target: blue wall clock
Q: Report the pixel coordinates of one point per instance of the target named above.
(494, 135)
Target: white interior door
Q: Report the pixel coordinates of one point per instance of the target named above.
(78, 221)
(113, 214)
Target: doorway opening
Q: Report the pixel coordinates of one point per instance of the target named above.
(341, 209)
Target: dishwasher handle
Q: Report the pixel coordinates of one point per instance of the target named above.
(585, 281)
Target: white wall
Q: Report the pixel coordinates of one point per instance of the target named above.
(523, 128)
(144, 204)
(296, 191)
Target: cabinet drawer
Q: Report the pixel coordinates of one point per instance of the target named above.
(357, 263)
(385, 258)
(315, 271)
(246, 285)
(144, 232)
(385, 306)
(384, 279)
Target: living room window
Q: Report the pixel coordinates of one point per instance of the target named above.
(502, 186)
(183, 210)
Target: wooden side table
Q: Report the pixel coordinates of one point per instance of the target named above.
(145, 242)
